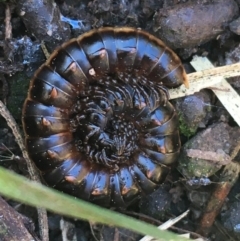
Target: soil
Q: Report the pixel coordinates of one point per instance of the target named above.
(191, 27)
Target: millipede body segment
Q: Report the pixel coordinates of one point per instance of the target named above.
(97, 120)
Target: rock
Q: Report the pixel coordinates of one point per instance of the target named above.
(150, 6)
(46, 16)
(192, 111)
(117, 13)
(235, 26)
(193, 23)
(231, 219)
(232, 57)
(218, 138)
(28, 56)
(25, 51)
(157, 204)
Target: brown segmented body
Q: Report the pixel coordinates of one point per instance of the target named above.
(97, 119)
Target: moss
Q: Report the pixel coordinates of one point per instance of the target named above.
(196, 167)
(184, 128)
(18, 91)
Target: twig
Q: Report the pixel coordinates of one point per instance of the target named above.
(44, 49)
(13, 125)
(8, 25)
(228, 178)
(42, 214)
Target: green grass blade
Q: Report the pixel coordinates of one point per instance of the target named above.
(21, 189)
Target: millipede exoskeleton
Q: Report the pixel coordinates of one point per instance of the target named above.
(97, 119)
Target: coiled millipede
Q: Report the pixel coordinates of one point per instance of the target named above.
(97, 119)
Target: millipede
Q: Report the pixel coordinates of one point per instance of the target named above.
(97, 120)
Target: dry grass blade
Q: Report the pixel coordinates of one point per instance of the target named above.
(208, 72)
(214, 78)
(224, 91)
(166, 225)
